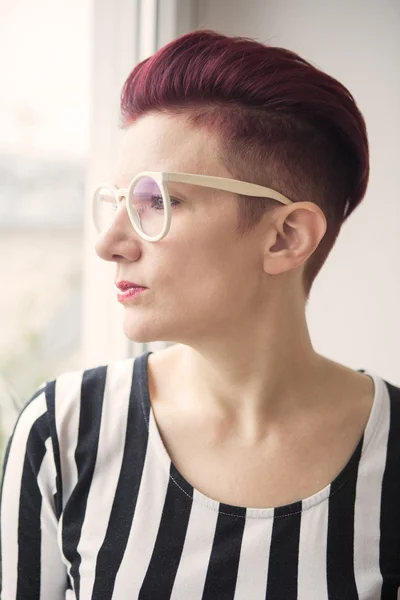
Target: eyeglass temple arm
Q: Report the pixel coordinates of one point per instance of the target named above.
(228, 185)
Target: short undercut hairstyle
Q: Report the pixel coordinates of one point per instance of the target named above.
(281, 122)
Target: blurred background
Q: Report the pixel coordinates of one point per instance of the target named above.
(63, 64)
(45, 57)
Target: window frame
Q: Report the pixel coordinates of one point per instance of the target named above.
(124, 33)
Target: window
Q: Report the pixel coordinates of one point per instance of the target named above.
(44, 140)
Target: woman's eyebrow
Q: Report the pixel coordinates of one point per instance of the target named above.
(177, 188)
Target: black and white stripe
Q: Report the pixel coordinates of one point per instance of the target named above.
(389, 545)
(31, 563)
(93, 508)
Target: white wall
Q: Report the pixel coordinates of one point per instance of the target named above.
(354, 309)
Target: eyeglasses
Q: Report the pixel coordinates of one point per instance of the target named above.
(148, 202)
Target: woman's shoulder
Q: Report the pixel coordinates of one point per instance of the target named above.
(78, 398)
(94, 386)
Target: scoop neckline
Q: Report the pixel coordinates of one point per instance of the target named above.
(236, 511)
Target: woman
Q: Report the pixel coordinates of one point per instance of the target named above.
(237, 463)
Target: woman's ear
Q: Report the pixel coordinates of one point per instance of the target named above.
(293, 235)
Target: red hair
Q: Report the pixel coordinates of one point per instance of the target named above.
(281, 123)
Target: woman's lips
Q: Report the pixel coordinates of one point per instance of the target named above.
(130, 293)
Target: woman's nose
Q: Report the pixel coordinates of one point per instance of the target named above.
(120, 239)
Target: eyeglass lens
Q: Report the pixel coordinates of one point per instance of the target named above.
(146, 199)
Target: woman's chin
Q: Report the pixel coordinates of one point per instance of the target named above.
(140, 332)
(138, 336)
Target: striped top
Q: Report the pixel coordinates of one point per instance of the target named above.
(93, 508)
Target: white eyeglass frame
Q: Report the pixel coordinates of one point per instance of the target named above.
(163, 177)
